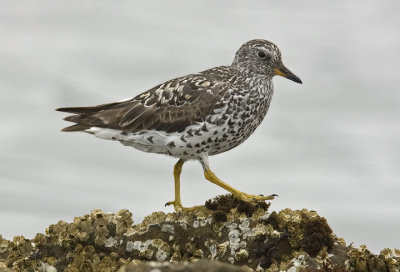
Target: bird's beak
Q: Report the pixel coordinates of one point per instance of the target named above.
(285, 72)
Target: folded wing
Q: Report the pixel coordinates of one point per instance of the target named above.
(170, 107)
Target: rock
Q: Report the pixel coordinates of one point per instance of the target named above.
(202, 265)
(224, 235)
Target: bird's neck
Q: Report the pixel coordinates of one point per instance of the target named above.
(255, 82)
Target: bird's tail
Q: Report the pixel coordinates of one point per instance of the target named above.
(87, 117)
(79, 112)
(76, 127)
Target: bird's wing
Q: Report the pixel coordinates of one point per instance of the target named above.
(169, 107)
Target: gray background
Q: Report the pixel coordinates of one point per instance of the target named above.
(330, 145)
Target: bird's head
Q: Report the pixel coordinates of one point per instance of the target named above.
(264, 58)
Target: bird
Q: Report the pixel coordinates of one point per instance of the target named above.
(194, 116)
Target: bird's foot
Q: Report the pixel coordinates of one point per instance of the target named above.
(249, 198)
(209, 175)
(179, 208)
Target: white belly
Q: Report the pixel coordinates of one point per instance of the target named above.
(173, 144)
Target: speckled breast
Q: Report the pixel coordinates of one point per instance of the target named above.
(241, 116)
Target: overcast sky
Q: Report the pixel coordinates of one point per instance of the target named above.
(330, 145)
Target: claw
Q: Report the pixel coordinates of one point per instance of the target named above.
(170, 203)
(179, 208)
(249, 198)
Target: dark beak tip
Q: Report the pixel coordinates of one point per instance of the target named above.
(295, 79)
(285, 72)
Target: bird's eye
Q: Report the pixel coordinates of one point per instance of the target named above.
(262, 55)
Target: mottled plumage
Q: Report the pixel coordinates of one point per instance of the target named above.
(194, 116)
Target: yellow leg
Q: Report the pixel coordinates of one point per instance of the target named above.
(238, 194)
(177, 177)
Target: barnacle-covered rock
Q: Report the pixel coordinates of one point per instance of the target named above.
(202, 265)
(361, 259)
(222, 233)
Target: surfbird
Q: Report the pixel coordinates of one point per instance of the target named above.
(194, 116)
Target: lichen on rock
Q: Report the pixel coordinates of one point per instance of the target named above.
(222, 233)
